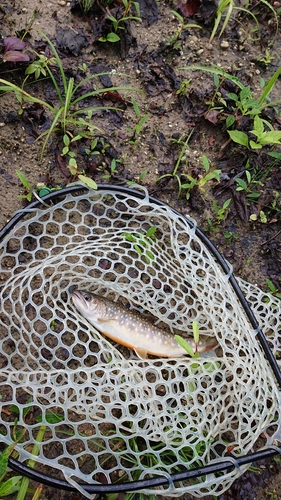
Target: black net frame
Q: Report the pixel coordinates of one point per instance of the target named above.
(225, 464)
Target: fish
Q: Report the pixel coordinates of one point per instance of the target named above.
(129, 328)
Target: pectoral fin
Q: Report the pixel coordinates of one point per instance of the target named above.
(106, 320)
(141, 353)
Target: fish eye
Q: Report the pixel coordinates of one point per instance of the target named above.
(87, 297)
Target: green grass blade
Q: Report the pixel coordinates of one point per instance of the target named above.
(67, 102)
(58, 59)
(31, 463)
(51, 129)
(216, 70)
(10, 87)
(269, 86)
(229, 11)
(248, 12)
(274, 13)
(94, 108)
(216, 25)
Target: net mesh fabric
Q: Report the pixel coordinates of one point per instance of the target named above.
(103, 414)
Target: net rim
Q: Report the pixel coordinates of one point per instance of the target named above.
(160, 480)
(220, 466)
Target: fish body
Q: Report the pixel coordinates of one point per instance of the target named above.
(128, 328)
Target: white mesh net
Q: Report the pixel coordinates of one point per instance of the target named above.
(102, 414)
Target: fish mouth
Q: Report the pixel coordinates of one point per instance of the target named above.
(76, 295)
(79, 299)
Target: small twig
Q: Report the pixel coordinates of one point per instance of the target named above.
(272, 238)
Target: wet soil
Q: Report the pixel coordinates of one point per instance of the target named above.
(175, 102)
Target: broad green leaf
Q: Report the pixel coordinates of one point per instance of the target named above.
(226, 204)
(10, 486)
(232, 96)
(253, 112)
(245, 92)
(229, 121)
(66, 140)
(255, 145)
(211, 366)
(112, 37)
(129, 237)
(215, 174)
(239, 137)
(23, 180)
(258, 126)
(271, 137)
(31, 69)
(72, 163)
(206, 163)
(151, 231)
(89, 182)
(241, 183)
(275, 154)
(185, 345)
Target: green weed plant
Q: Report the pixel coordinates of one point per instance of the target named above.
(185, 180)
(117, 23)
(225, 9)
(246, 104)
(69, 117)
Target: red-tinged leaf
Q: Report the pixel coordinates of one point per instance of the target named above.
(230, 449)
(189, 7)
(212, 116)
(113, 96)
(240, 204)
(61, 165)
(13, 43)
(15, 56)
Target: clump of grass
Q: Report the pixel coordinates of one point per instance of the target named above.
(69, 118)
(86, 5)
(225, 9)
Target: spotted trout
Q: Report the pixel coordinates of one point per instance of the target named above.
(128, 328)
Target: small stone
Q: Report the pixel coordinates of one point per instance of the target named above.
(62, 3)
(224, 44)
(199, 52)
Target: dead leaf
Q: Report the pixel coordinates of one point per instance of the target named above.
(240, 204)
(149, 11)
(61, 164)
(72, 40)
(189, 7)
(212, 116)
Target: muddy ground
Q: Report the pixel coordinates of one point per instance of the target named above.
(143, 139)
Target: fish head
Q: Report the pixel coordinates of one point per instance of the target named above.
(87, 303)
